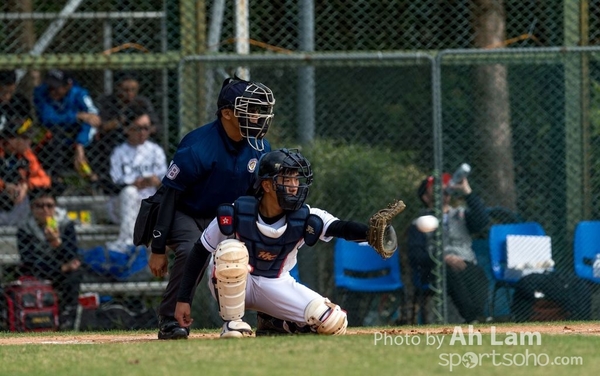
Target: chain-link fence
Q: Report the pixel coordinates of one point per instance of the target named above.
(528, 133)
(374, 126)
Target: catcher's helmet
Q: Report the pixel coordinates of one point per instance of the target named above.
(252, 104)
(288, 164)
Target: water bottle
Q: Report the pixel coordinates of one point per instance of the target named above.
(596, 266)
(461, 172)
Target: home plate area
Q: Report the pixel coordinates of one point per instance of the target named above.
(88, 338)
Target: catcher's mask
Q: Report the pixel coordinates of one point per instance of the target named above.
(290, 173)
(252, 104)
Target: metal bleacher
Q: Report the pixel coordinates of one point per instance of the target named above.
(88, 235)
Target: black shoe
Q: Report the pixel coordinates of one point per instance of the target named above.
(67, 319)
(169, 329)
(66, 324)
(267, 325)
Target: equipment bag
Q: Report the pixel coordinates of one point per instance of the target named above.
(541, 296)
(116, 265)
(146, 219)
(31, 305)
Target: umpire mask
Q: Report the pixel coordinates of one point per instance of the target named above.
(254, 111)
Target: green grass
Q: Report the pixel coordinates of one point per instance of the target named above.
(297, 355)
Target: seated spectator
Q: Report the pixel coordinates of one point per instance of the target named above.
(113, 108)
(112, 114)
(467, 283)
(47, 244)
(137, 167)
(11, 101)
(68, 112)
(20, 170)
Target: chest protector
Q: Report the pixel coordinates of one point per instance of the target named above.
(267, 255)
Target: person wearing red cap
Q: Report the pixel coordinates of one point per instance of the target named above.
(467, 283)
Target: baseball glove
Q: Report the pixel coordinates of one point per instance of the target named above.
(381, 235)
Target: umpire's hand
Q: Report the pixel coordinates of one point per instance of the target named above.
(158, 264)
(183, 314)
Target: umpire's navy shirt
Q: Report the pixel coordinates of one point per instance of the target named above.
(211, 169)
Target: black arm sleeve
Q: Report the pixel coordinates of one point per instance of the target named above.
(476, 215)
(194, 266)
(68, 250)
(34, 256)
(348, 230)
(166, 213)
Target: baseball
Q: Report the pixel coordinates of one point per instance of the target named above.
(427, 223)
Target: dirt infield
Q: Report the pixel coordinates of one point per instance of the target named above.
(591, 328)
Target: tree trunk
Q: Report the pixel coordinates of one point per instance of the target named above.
(27, 40)
(492, 108)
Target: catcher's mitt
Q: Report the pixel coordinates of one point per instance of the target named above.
(381, 235)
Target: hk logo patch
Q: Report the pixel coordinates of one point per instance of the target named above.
(225, 220)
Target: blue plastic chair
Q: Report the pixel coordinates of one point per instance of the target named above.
(357, 267)
(586, 244)
(361, 274)
(295, 273)
(498, 259)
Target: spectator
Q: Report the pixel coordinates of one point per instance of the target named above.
(467, 283)
(47, 244)
(136, 169)
(10, 101)
(113, 109)
(213, 164)
(20, 170)
(68, 112)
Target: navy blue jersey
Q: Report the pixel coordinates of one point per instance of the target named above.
(211, 169)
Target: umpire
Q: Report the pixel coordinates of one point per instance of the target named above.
(213, 164)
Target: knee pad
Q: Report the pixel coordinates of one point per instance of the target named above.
(231, 271)
(326, 317)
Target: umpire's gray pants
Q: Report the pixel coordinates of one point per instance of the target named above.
(185, 231)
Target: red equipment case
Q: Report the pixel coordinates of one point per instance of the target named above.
(31, 306)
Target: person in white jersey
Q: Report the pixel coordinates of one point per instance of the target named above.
(255, 242)
(136, 168)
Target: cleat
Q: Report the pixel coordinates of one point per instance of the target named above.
(169, 329)
(236, 329)
(268, 325)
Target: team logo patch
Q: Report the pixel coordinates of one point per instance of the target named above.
(172, 172)
(225, 220)
(252, 164)
(267, 256)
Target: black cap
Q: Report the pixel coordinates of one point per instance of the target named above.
(230, 90)
(56, 78)
(39, 192)
(125, 76)
(8, 77)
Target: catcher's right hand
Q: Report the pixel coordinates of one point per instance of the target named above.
(381, 235)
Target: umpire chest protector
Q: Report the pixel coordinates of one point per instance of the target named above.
(267, 255)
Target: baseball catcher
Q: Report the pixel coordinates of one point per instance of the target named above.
(255, 242)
